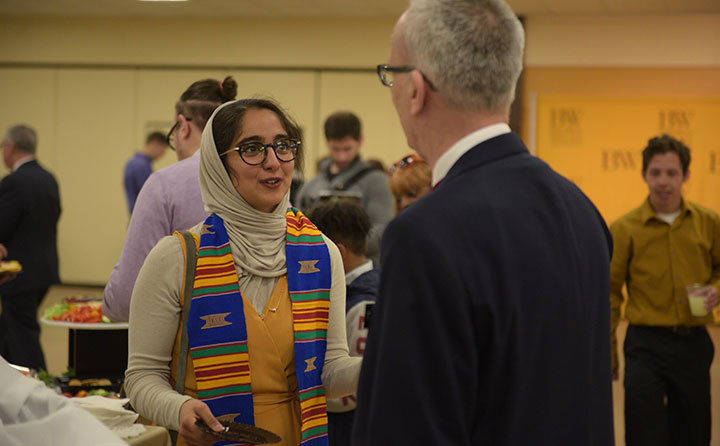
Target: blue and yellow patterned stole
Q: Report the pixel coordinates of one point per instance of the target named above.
(218, 335)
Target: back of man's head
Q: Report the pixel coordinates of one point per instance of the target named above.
(23, 137)
(156, 137)
(342, 221)
(342, 124)
(472, 50)
(664, 144)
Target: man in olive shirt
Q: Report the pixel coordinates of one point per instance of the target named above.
(661, 247)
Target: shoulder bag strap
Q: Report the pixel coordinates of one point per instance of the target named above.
(353, 179)
(190, 248)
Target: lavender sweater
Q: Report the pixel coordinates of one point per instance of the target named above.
(170, 200)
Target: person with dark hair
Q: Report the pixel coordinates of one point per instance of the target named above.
(347, 224)
(491, 323)
(662, 247)
(29, 213)
(410, 180)
(344, 173)
(242, 317)
(170, 199)
(139, 167)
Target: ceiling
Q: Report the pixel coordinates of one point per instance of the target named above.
(329, 8)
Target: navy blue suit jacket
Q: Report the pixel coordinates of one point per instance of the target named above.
(29, 212)
(492, 320)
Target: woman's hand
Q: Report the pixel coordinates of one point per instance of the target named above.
(191, 411)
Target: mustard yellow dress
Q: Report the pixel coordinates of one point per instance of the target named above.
(271, 348)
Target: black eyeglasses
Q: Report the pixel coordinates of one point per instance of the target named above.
(255, 153)
(403, 163)
(387, 76)
(170, 135)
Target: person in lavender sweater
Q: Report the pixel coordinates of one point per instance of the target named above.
(170, 199)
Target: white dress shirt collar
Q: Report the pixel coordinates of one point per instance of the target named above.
(21, 161)
(449, 158)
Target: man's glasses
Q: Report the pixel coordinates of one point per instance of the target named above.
(403, 163)
(255, 153)
(170, 137)
(387, 74)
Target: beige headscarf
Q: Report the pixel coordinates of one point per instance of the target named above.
(257, 238)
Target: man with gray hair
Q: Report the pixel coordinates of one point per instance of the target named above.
(29, 212)
(491, 323)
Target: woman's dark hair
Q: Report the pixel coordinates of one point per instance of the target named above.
(201, 99)
(228, 122)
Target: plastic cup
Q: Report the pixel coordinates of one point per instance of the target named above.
(697, 294)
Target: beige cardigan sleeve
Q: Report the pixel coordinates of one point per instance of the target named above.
(154, 317)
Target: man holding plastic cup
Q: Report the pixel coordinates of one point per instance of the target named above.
(667, 253)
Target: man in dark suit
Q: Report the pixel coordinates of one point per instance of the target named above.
(29, 212)
(491, 324)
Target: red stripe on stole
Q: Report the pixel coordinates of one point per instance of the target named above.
(306, 317)
(215, 378)
(217, 388)
(314, 411)
(222, 371)
(218, 356)
(210, 270)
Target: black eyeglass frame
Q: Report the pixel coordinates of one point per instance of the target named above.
(242, 147)
(168, 137)
(383, 68)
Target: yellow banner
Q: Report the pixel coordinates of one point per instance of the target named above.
(597, 143)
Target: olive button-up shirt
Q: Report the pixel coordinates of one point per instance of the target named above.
(656, 261)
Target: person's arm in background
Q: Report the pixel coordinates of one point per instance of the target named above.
(380, 207)
(150, 221)
(618, 274)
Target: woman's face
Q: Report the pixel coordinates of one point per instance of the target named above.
(410, 198)
(262, 186)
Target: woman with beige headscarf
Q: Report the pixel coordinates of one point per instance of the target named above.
(254, 329)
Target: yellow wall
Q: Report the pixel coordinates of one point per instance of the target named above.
(93, 87)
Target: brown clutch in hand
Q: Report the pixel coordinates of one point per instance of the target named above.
(239, 432)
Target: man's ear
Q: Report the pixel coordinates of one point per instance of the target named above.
(686, 176)
(342, 249)
(418, 93)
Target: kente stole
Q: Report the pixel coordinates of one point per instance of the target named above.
(217, 332)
